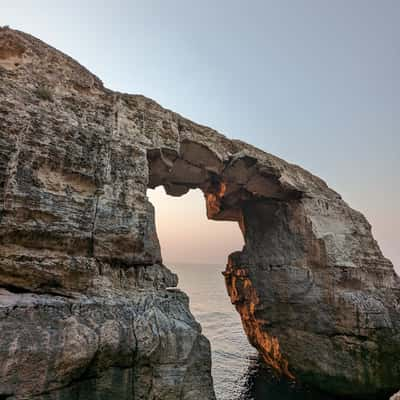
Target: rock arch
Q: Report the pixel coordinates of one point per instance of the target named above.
(88, 310)
(315, 294)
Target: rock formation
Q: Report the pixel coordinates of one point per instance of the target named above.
(87, 308)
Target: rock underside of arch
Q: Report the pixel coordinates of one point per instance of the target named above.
(88, 310)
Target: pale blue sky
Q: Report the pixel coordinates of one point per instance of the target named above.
(315, 82)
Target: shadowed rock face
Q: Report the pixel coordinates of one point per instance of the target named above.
(87, 308)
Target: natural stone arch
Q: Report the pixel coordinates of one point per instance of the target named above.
(79, 252)
(311, 285)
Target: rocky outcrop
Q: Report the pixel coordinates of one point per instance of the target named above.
(87, 309)
(86, 299)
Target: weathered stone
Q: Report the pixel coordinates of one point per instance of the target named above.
(86, 305)
(87, 308)
(143, 346)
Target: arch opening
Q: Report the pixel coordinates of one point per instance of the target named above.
(186, 235)
(195, 249)
(240, 189)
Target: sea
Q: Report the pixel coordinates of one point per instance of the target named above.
(237, 371)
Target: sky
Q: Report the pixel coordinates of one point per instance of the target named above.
(315, 82)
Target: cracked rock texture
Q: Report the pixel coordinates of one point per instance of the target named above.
(88, 310)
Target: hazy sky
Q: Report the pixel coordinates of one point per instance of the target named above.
(315, 82)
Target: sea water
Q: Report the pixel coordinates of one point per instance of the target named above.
(237, 372)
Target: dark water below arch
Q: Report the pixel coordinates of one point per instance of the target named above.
(237, 372)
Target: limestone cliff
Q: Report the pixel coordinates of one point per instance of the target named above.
(87, 308)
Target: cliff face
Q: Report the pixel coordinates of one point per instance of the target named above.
(87, 310)
(87, 307)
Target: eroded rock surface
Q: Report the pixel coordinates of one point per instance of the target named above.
(85, 296)
(87, 309)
